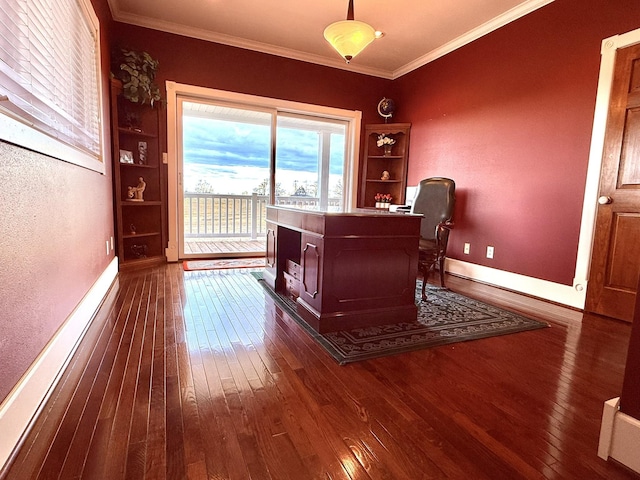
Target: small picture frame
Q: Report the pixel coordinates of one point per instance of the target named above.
(142, 153)
(126, 156)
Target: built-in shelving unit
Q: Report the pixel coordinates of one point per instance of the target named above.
(376, 162)
(140, 223)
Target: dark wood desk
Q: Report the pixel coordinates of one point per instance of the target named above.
(356, 268)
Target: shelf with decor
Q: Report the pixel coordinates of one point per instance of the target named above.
(385, 161)
(139, 181)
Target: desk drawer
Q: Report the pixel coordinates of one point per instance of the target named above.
(291, 286)
(293, 269)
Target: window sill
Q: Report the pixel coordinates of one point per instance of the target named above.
(21, 134)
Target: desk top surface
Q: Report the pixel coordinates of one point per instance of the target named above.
(334, 211)
(350, 223)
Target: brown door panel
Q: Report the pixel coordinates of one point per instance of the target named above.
(615, 263)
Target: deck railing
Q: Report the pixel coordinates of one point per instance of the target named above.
(228, 216)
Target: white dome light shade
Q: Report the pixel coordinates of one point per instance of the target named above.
(349, 37)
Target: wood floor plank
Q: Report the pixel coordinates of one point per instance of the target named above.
(107, 386)
(44, 429)
(96, 378)
(124, 410)
(200, 375)
(155, 455)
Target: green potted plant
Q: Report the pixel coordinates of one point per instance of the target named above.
(137, 71)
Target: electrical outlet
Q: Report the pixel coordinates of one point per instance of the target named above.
(489, 251)
(108, 247)
(467, 248)
(111, 243)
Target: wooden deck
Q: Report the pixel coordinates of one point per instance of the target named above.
(199, 375)
(224, 247)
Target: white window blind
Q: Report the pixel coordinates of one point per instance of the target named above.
(49, 72)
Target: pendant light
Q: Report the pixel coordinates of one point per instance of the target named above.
(349, 37)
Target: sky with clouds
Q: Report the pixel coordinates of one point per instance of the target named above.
(234, 158)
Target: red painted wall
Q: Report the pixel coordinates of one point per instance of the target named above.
(509, 118)
(56, 218)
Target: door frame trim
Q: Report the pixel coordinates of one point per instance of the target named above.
(608, 52)
(174, 89)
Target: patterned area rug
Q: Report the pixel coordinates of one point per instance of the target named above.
(446, 317)
(223, 263)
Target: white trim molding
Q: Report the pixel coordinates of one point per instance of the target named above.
(25, 401)
(16, 131)
(554, 292)
(619, 436)
(507, 17)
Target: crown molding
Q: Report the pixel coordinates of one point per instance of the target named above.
(488, 27)
(229, 40)
(201, 34)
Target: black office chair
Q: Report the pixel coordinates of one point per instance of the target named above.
(435, 199)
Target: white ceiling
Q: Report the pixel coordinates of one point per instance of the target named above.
(416, 31)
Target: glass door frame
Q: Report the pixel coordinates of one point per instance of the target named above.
(330, 126)
(353, 118)
(269, 115)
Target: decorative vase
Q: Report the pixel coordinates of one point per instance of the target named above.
(387, 150)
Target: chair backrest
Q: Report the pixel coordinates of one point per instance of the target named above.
(435, 199)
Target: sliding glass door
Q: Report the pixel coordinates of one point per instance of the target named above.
(233, 158)
(226, 162)
(310, 162)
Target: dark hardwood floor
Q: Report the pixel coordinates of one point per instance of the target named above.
(199, 375)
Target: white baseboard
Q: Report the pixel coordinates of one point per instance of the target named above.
(619, 436)
(572, 296)
(26, 399)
